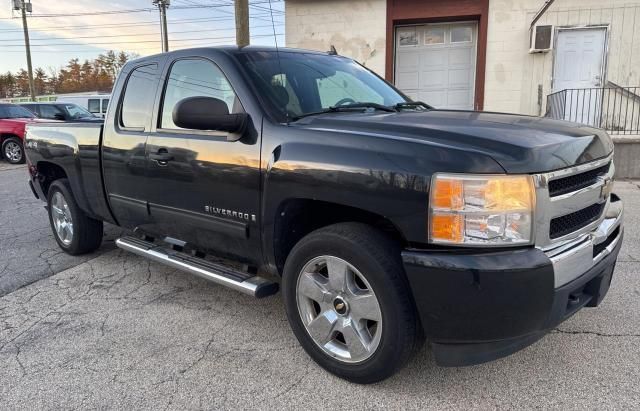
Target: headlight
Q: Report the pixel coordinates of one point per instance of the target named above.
(481, 210)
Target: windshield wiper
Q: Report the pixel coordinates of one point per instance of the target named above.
(347, 107)
(412, 104)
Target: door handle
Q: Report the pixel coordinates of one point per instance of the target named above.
(162, 156)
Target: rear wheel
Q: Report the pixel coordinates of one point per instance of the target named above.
(349, 304)
(74, 231)
(13, 151)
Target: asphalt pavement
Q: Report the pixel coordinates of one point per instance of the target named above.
(28, 251)
(112, 330)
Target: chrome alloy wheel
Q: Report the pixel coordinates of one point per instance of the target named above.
(339, 309)
(62, 220)
(13, 152)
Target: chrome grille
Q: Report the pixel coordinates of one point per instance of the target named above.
(567, 224)
(571, 202)
(577, 181)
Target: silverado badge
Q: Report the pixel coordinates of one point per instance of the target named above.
(229, 213)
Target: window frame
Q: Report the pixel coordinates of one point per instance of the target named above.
(442, 27)
(118, 117)
(461, 26)
(165, 80)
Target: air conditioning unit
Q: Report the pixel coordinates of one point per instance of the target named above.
(541, 39)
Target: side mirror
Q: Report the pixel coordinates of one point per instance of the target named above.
(208, 113)
(58, 116)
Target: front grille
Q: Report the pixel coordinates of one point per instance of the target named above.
(566, 224)
(577, 181)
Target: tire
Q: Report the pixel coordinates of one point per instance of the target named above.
(373, 268)
(13, 150)
(74, 231)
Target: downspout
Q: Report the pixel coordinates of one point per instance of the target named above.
(540, 13)
(537, 17)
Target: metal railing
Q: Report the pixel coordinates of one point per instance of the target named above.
(613, 108)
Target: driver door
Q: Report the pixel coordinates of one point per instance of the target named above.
(202, 188)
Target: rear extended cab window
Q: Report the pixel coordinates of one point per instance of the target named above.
(139, 94)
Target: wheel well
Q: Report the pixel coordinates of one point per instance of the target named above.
(48, 173)
(5, 136)
(298, 217)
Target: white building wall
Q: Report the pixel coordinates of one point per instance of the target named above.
(513, 75)
(357, 28)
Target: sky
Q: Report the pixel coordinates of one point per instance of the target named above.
(64, 29)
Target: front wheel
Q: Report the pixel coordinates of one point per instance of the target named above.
(74, 231)
(13, 151)
(349, 304)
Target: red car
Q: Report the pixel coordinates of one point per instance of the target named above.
(13, 119)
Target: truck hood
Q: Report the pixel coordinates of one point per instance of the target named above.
(520, 144)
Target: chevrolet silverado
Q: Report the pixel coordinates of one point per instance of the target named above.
(386, 222)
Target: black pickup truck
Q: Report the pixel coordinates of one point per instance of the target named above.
(385, 221)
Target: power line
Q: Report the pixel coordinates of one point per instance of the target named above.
(128, 42)
(251, 5)
(143, 23)
(208, 43)
(56, 38)
(129, 11)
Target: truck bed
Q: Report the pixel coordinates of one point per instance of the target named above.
(73, 149)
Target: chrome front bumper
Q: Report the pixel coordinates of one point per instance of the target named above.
(572, 259)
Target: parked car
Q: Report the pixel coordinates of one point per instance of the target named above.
(62, 112)
(383, 219)
(13, 119)
(96, 103)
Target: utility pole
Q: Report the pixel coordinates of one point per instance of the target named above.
(162, 6)
(242, 22)
(25, 7)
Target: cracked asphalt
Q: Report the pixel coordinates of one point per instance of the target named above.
(28, 251)
(112, 330)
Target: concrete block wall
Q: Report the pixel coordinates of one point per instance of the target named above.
(357, 28)
(513, 75)
(627, 153)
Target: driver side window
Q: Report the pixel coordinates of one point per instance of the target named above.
(49, 112)
(195, 78)
(344, 88)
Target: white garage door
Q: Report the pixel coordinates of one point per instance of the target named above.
(436, 63)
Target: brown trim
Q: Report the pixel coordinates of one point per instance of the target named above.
(429, 11)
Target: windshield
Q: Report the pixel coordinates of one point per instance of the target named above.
(304, 83)
(11, 111)
(75, 111)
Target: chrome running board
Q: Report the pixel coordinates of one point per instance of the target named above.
(221, 274)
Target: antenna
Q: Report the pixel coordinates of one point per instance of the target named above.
(275, 39)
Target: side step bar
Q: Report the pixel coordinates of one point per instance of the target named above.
(246, 283)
